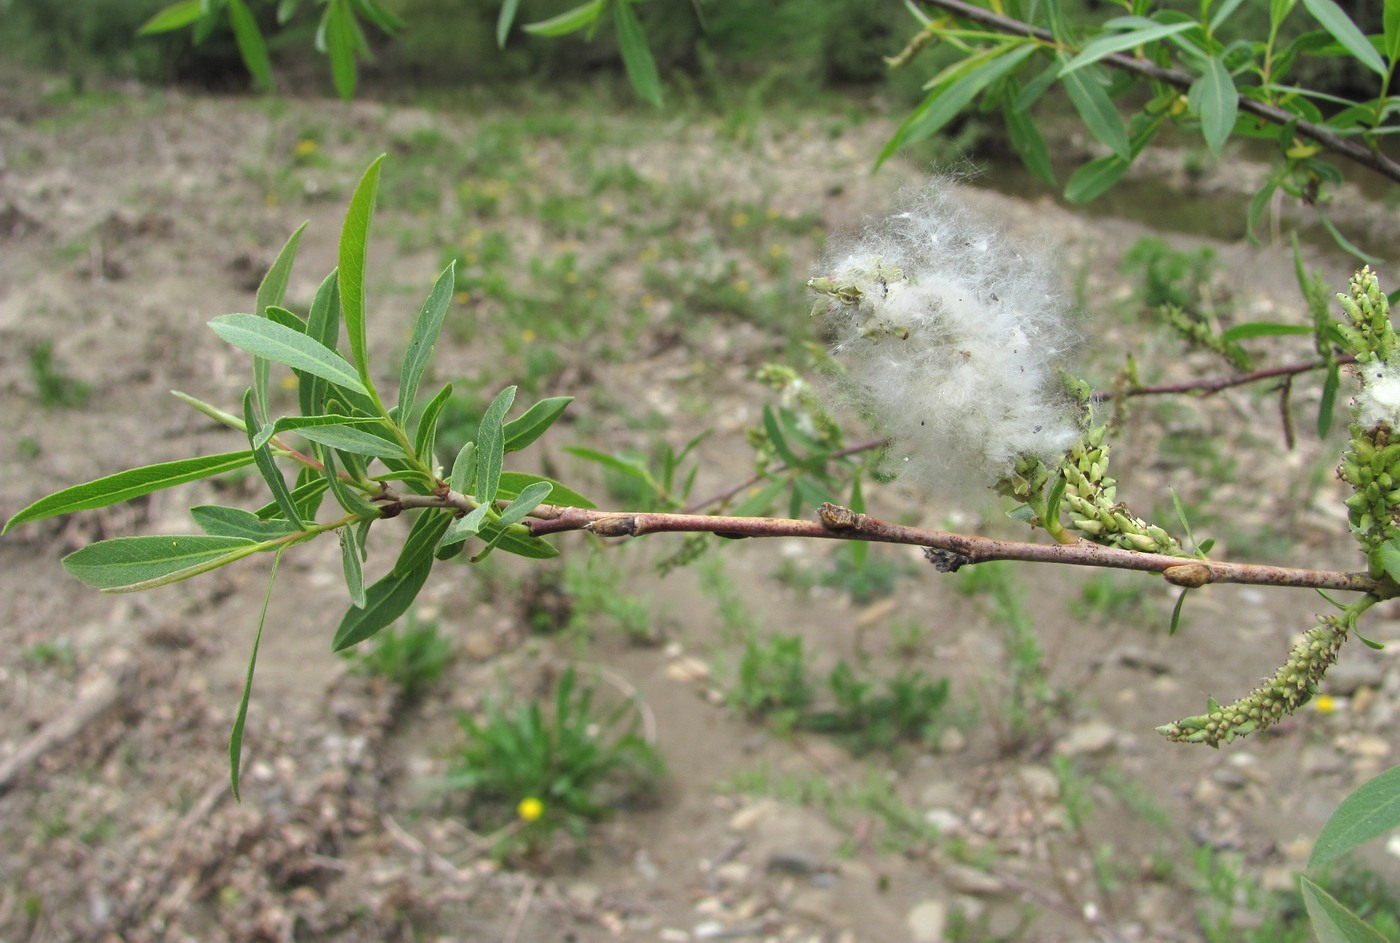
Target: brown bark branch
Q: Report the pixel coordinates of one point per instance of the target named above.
(1207, 387)
(1371, 160)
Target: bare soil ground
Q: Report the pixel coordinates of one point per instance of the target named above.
(127, 221)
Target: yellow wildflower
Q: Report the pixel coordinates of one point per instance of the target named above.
(529, 809)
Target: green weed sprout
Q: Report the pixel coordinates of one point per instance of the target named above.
(561, 771)
(411, 655)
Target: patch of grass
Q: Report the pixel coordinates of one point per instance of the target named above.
(1026, 696)
(909, 709)
(49, 654)
(1108, 597)
(772, 682)
(55, 389)
(411, 655)
(530, 772)
(589, 595)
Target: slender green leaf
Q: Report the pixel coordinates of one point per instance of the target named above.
(127, 563)
(298, 423)
(631, 467)
(338, 30)
(129, 484)
(1109, 43)
(463, 474)
(235, 739)
(271, 291)
(779, 441)
(267, 467)
(570, 21)
(426, 440)
(1345, 244)
(250, 43)
(354, 242)
(422, 540)
(1334, 19)
(379, 16)
(352, 564)
(532, 424)
(514, 483)
(529, 499)
(385, 601)
(1095, 177)
(1332, 921)
(860, 550)
(514, 539)
(173, 17)
(425, 336)
(1027, 141)
(220, 521)
(358, 440)
(305, 496)
(505, 20)
(1369, 812)
(1214, 98)
(1249, 329)
(1225, 11)
(490, 444)
(1327, 408)
(306, 475)
(266, 338)
(636, 57)
(349, 498)
(1390, 20)
(205, 27)
(1257, 204)
(1176, 612)
(464, 527)
(323, 327)
(948, 99)
(1090, 98)
(761, 501)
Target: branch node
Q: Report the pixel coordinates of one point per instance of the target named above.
(616, 525)
(1189, 575)
(946, 561)
(835, 517)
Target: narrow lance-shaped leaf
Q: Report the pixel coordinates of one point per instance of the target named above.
(129, 484)
(1369, 812)
(336, 37)
(1390, 24)
(369, 440)
(265, 338)
(1027, 141)
(464, 527)
(1333, 921)
(570, 21)
(271, 291)
(173, 17)
(426, 439)
(354, 242)
(219, 521)
(349, 498)
(1214, 98)
(513, 484)
(235, 739)
(422, 540)
(947, 100)
(129, 563)
(425, 336)
(1097, 110)
(352, 563)
(300, 423)
(385, 601)
(505, 21)
(1109, 43)
(463, 473)
(490, 444)
(267, 467)
(532, 424)
(636, 57)
(1335, 20)
(322, 326)
(529, 499)
(250, 43)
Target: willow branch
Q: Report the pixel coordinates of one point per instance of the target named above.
(1370, 159)
(947, 551)
(1207, 387)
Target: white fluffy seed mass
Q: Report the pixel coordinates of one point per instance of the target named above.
(950, 337)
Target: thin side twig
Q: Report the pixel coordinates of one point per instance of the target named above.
(1357, 153)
